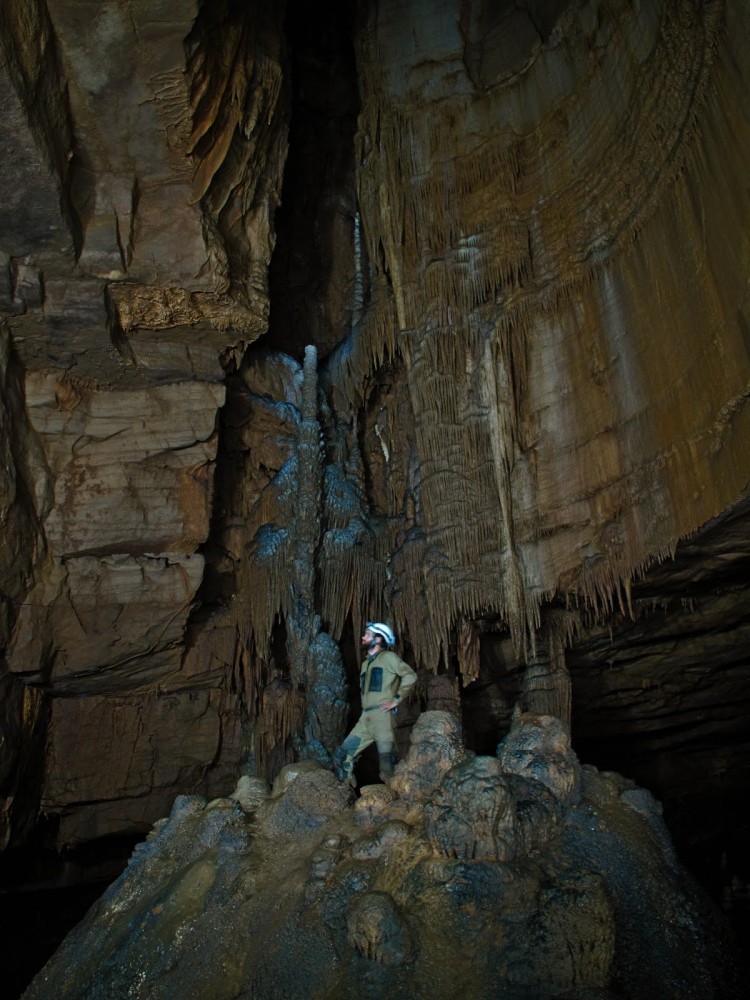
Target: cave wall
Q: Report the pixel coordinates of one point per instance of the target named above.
(528, 283)
(558, 241)
(136, 239)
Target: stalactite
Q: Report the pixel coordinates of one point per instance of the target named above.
(476, 268)
(281, 716)
(352, 557)
(353, 572)
(367, 348)
(547, 686)
(468, 650)
(359, 281)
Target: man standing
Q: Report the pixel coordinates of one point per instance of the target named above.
(384, 680)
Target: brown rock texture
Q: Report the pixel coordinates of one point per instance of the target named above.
(547, 237)
(515, 236)
(293, 900)
(137, 195)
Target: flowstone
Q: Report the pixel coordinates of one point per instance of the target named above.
(376, 928)
(496, 885)
(481, 812)
(435, 746)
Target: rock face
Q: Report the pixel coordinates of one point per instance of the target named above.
(219, 903)
(124, 291)
(514, 238)
(533, 343)
(377, 930)
(123, 494)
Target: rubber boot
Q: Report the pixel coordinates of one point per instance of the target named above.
(386, 767)
(343, 767)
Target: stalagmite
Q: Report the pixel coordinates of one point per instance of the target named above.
(546, 681)
(301, 623)
(281, 577)
(521, 874)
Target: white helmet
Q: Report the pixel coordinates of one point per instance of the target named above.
(385, 633)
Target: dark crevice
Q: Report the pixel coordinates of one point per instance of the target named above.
(311, 276)
(45, 893)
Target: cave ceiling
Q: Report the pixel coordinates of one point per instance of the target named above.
(516, 235)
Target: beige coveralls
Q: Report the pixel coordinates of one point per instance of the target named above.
(382, 678)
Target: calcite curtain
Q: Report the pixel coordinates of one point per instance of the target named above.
(556, 217)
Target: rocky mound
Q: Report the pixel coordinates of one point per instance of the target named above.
(520, 875)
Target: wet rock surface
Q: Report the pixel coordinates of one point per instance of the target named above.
(216, 904)
(435, 746)
(480, 811)
(377, 930)
(304, 797)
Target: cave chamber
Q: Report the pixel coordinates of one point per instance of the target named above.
(431, 313)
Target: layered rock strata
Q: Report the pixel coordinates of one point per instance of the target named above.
(136, 239)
